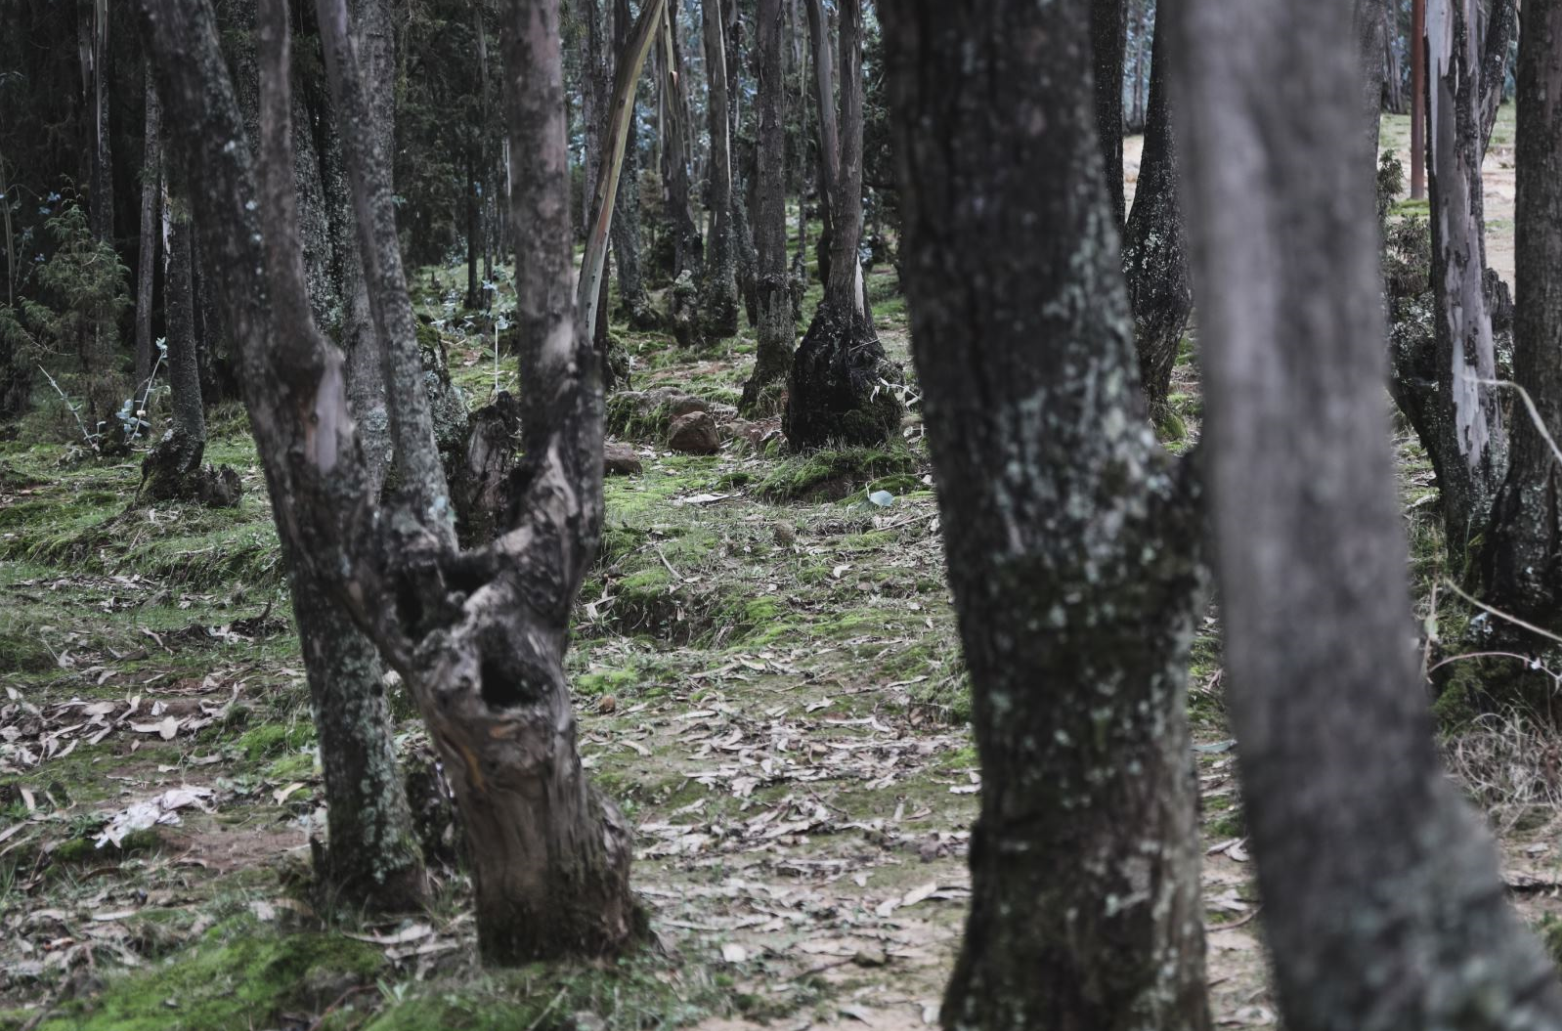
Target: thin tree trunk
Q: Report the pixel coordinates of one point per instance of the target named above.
(688, 249)
(1108, 39)
(1383, 904)
(93, 43)
(473, 228)
(741, 160)
(1155, 252)
(1524, 572)
(1072, 540)
(773, 350)
(719, 291)
(632, 298)
(184, 372)
(828, 153)
(841, 386)
(151, 217)
(1500, 26)
(1368, 15)
(1393, 90)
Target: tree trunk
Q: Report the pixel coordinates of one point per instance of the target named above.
(1369, 24)
(1155, 251)
(1071, 538)
(828, 145)
(478, 636)
(719, 291)
(94, 48)
(473, 227)
(151, 217)
(773, 350)
(688, 249)
(742, 160)
(1383, 905)
(1108, 40)
(1469, 450)
(632, 299)
(841, 386)
(1501, 23)
(1524, 555)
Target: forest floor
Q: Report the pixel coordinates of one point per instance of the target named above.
(768, 677)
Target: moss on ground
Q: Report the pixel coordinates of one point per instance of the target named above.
(833, 474)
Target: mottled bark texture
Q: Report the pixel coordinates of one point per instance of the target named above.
(1072, 539)
(1155, 249)
(1108, 43)
(1370, 27)
(1469, 448)
(773, 349)
(1502, 20)
(1523, 574)
(719, 288)
(151, 218)
(840, 389)
(1382, 899)
(478, 635)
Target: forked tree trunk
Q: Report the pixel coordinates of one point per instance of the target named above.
(1383, 904)
(1155, 250)
(1072, 539)
(719, 290)
(478, 636)
(773, 350)
(151, 218)
(1469, 449)
(1524, 570)
(841, 386)
(1108, 41)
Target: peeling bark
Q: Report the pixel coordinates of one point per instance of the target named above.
(1072, 540)
(1383, 904)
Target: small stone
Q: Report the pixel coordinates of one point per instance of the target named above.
(620, 459)
(694, 434)
(872, 956)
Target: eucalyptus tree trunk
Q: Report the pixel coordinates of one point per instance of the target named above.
(151, 217)
(688, 249)
(1523, 574)
(1155, 249)
(841, 385)
(632, 298)
(1108, 41)
(93, 21)
(478, 636)
(187, 436)
(1469, 447)
(1383, 904)
(742, 159)
(827, 166)
(1501, 23)
(773, 350)
(719, 290)
(1072, 540)
(1370, 25)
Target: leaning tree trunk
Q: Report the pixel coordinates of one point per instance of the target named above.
(1383, 904)
(1108, 41)
(1072, 540)
(1155, 250)
(841, 386)
(151, 217)
(773, 350)
(719, 290)
(1469, 449)
(1523, 574)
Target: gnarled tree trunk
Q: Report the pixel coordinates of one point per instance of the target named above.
(1072, 539)
(1383, 904)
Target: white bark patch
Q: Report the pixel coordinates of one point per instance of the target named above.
(332, 423)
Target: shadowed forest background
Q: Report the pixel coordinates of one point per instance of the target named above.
(591, 515)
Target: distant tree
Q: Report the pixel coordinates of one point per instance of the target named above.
(633, 300)
(151, 219)
(1072, 539)
(839, 389)
(1108, 41)
(1383, 904)
(719, 290)
(773, 349)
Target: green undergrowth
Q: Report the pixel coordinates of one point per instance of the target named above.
(834, 474)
